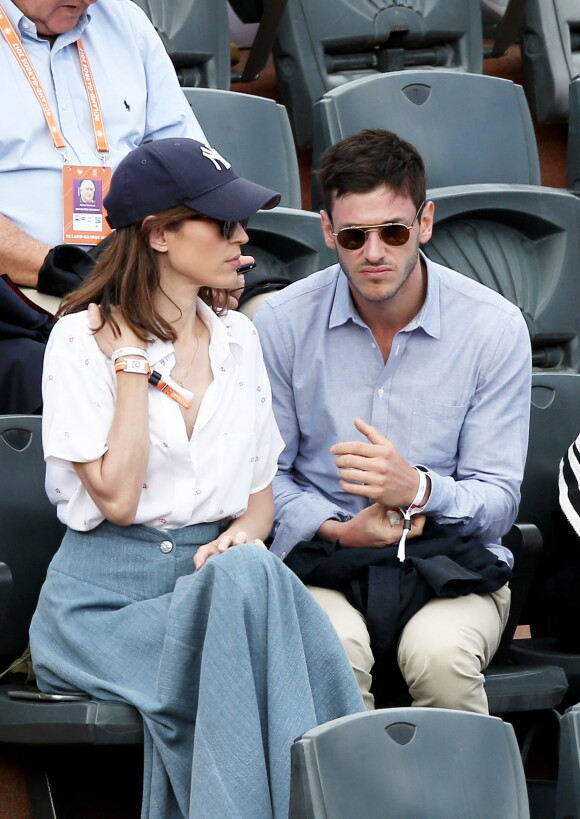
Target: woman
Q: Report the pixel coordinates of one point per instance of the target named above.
(160, 447)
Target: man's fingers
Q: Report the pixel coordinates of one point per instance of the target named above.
(370, 432)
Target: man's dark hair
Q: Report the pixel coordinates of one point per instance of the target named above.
(367, 160)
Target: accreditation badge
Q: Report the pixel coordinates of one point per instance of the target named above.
(84, 188)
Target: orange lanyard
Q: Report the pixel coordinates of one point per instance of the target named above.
(20, 54)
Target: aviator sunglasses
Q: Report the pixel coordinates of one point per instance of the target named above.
(394, 234)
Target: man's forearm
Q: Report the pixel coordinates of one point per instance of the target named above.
(21, 256)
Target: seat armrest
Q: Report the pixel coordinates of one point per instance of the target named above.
(5, 588)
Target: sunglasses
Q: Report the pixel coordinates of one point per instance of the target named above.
(227, 227)
(394, 234)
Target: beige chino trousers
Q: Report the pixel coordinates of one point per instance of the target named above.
(442, 650)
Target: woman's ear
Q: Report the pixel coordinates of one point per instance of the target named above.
(157, 238)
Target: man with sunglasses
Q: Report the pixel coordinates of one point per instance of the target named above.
(400, 387)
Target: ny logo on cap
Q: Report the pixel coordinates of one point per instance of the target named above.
(215, 157)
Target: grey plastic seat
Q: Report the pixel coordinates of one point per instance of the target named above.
(29, 536)
(257, 139)
(196, 36)
(574, 136)
(288, 245)
(327, 43)
(493, 220)
(524, 242)
(554, 425)
(550, 48)
(469, 128)
(407, 763)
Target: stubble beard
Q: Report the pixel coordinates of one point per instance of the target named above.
(382, 296)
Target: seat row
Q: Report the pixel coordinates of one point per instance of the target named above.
(494, 221)
(321, 46)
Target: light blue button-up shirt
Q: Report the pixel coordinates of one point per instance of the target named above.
(453, 396)
(137, 87)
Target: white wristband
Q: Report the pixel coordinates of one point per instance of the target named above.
(123, 351)
(421, 490)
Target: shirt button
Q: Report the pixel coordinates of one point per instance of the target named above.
(166, 547)
(373, 345)
(380, 392)
(26, 25)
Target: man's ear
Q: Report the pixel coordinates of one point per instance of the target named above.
(327, 230)
(426, 225)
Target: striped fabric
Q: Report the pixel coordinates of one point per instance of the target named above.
(569, 485)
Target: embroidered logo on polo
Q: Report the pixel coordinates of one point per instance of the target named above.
(215, 157)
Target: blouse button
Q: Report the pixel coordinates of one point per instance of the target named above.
(166, 547)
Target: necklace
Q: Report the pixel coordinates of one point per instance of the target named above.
(184, 378)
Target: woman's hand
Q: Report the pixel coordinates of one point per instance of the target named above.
(233, 537)
(106, 338)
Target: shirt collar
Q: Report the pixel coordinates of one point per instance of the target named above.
(220, 334)
(428, 317)
(18, 18)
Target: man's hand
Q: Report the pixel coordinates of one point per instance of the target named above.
(221, 544)
(371, 527)
(376, 470)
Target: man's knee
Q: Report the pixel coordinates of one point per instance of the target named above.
(444, 649)
(351, 628)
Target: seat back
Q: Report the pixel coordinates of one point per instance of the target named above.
(550, 48)
(574, 136)
(554, 426)
(487, 138)
(328, 43)
(196, 36)
(31, 532)
(523, 242)
(259, 141)
(408, 762)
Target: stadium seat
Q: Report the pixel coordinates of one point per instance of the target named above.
(254, 134)
(328, 43)
(196, 36)
(469, 128)
(493, 220)
(574, 137)
(406, 763)
(554, 425)
(30, 535)
(524, 242)
(550, 48)
(288, 245)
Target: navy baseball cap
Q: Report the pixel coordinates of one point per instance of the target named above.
(165, 173)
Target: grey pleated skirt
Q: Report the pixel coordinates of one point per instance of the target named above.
(227, 665)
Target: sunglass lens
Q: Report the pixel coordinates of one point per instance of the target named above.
(395, 235)
(351, 238)
(229, 228)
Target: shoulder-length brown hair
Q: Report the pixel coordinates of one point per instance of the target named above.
(126, 276)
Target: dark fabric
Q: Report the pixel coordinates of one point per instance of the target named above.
(260, 281)
(65, 267)
(24, 331)
(439, 563)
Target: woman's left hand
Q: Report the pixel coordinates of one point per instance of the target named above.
(221, 544)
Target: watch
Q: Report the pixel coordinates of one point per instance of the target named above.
(132, 365)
